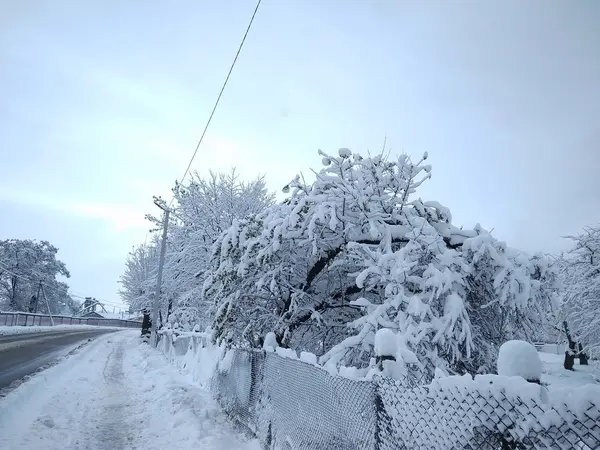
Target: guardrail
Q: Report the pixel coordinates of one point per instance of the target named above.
(13, 319)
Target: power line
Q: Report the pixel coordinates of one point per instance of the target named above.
(220, 95)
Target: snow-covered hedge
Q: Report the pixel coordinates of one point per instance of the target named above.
(356, 251)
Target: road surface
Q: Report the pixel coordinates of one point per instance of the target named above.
(116, 394)
(23, 354)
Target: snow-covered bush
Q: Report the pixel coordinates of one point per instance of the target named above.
(353, 252)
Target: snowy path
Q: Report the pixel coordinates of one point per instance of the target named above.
(116, 394)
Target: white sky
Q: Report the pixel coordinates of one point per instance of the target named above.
(103, 102)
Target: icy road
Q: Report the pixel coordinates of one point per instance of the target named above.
(114, 393)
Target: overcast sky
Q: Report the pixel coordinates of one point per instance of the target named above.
(102, 103)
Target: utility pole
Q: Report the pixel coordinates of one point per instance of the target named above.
(161, 262)
(37, 297)
(47, 304)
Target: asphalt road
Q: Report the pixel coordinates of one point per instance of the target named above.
(23, 354)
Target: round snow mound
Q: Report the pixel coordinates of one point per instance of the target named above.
(519, 359)
(270, 342)
(385, 343)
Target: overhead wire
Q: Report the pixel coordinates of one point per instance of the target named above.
(241, 45)
(219, 96)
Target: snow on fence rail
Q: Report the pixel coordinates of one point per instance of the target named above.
(33, 319)
(291, 404)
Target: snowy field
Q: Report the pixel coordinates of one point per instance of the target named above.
(6, 331)
(555, 375)
(115, 393)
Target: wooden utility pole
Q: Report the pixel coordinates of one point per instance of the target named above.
(47, 304)
(37, 297)
(161, 262)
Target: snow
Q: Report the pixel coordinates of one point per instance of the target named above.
(385, 342)
(344, 153)
(495, 400)
(286, 353)
(519, 359)
(554, 375)
(115, 393)
(270, 342)
(7, 330)
(308, 358)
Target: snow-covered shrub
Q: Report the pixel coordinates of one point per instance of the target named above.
(353, 252)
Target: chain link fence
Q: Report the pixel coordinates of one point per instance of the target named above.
(289, 404)
(471, 416)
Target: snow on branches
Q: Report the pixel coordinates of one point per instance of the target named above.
(581, 282)
(203, 208)
(355, 251)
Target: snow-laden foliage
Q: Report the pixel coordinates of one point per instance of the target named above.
(24, 264)
(581, 284)
(204, 209)
(201, 211)
(355, 251)
(138, 280)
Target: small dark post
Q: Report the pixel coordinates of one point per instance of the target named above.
(146, 324)
(583, 358)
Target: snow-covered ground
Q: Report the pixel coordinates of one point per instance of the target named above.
(115, 393)
(555, 375)
(5, 331)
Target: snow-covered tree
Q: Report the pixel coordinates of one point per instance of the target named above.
(202, 209)
(24, 264)
(354, 251)
(138, 280)
(581, 284)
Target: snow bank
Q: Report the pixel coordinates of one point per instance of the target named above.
(193, 354)
(519, 359)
